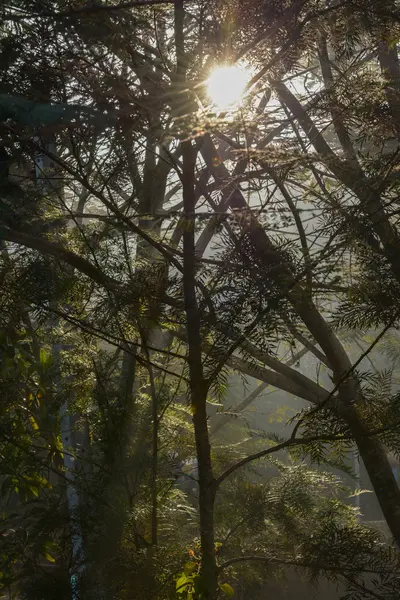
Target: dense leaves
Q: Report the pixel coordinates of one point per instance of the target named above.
(155, 248)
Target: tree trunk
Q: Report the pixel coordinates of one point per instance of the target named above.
(337, 117)
(198, 385)
(371, 450)
(381, 475)
(390, 68)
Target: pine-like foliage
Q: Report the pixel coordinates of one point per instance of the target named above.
(295, 267)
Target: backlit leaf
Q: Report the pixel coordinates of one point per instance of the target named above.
(227, 589)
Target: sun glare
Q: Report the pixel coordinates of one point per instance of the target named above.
(226, 86)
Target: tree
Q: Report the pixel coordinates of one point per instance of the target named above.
(137, 277)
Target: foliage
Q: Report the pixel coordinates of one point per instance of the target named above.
(295, 252)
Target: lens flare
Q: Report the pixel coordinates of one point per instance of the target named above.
(226, 86)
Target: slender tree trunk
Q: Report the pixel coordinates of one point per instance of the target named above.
(390, 67)
(337, 118)
(154, 469)
(198, 384)
(128, 378)
(381, 475)
(388, 56)
(154, 450)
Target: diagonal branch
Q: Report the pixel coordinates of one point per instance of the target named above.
(290, 443)
(44, 246)
(254, 394)
(312, 392)
(295, 563)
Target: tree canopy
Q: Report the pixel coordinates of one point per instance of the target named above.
(199, 223)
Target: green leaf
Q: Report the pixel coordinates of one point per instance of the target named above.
(227, 589)
(49, 549)
(181, 582)
(49, 557)
(46, 358)
(359, 493)
(34, 490)
(33, 422)
(189, 568)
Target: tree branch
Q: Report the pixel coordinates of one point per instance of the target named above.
(283, 446)
(294, 563)
(52, 249)
(348, 374)
(291, 442)
(253, 395)
(89, 9)
(312, 392)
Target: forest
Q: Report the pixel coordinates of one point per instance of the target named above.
(199, 299)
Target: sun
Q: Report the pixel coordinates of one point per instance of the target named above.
(226, 86)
